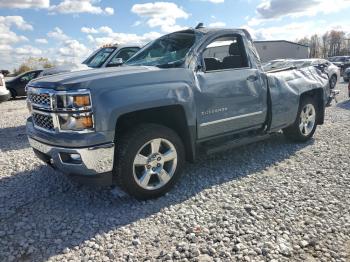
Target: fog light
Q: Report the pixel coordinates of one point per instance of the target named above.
(69, 158)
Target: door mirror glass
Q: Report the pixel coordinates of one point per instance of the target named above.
(116, 62)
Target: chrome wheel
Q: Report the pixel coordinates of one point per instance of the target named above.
(307, 119)
(155, 164)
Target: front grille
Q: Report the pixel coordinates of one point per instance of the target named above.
(43, 121)
(40, 100)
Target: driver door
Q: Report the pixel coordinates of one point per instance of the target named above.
(232, 95)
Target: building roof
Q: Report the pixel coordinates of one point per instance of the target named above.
(279, 41)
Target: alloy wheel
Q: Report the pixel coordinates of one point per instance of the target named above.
(155, 164)
(307, 119)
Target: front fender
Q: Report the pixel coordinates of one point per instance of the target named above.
(115, 103)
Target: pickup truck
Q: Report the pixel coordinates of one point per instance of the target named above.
(188, 92)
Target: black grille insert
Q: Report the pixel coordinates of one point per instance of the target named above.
(43, 121)
(40, 99)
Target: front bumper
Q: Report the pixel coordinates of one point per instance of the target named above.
(93, 161)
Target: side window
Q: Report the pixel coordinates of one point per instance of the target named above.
(225, 53)
(28, 77)
(124, 54)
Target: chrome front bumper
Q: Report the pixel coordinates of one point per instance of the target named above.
(92, 161)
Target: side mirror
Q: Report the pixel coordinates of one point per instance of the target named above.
(116, 62)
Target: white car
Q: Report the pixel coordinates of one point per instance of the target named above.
(332, 70)
(107, 56)
(4, 93)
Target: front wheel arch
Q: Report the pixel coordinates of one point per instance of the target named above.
(173, 117)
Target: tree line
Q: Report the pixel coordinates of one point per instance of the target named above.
(331, 43)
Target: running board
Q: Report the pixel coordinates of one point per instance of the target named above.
(235, 143)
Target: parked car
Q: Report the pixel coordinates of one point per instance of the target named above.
(346, 75)
(17, 85)
(186, 92)
(4, 93)
(342, 62)
(329, 68)
(111, 56)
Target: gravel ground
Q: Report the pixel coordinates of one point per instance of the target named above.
(271, 201)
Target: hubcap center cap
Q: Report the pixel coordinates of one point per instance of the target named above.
(156, 162)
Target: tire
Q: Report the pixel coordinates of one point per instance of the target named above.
(13, 93)
(144, 177)
(333, 81)
(302, 133)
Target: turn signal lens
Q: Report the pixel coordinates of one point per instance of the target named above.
(82, 101)
(86, 122)
(76, 122)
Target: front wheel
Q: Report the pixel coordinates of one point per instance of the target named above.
(13, 93)
(305, 124)
(149, 160)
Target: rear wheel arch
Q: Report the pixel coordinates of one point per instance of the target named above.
(173, 117)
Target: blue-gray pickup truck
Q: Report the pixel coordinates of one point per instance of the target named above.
(190, 91)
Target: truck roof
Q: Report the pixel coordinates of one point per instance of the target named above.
(213, 30)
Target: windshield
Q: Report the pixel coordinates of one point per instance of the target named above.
(101, 56)
(166, 51)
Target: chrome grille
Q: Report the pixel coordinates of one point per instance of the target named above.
(43, 121)
(40, 100)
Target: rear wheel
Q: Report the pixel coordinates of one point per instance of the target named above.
(149, 161)
(305, 124)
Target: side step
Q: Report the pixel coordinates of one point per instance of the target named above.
(210, 149)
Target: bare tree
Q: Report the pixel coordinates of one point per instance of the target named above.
(33, 63)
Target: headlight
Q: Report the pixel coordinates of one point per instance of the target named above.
(73, 102)
(74, 111)
(76, 122)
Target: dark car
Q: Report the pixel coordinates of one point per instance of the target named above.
(346, 74)
(343, 62)
(17, 85)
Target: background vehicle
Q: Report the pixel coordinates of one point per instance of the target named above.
(17, 85)
(111, 56)
(186, 92)
(4, 93)
(346, 74)
(342, 62)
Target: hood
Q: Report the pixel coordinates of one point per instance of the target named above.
(83, 79)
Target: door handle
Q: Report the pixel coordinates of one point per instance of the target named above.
(252, 78)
